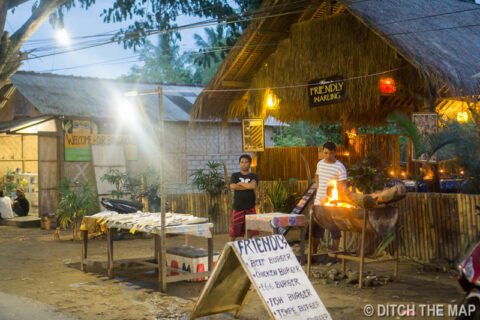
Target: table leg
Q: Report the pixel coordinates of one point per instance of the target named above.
(156, 254)
(83, 265)
(396, 248)
(210, 254)
(302, 244)
(110, 234)
(344, 263)
(309, 246)
(162, 266)
(362, 249)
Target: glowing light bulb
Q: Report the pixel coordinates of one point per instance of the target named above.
(62, 37)
(462, 117)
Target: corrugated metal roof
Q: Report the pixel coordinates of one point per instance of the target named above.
(99, 98)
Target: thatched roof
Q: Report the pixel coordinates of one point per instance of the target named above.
(422, 42)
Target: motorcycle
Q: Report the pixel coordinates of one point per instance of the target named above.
(469, 279)
(121, 206)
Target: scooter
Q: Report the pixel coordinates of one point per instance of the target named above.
(121, 206)
(469, 279)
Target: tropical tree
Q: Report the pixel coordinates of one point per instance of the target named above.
(302, 133)
(162, 63)
(462, 140)
(148, 17)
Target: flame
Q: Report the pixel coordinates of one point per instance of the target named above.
(332, 200)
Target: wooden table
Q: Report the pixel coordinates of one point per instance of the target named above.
(273, 222)
(202, 230)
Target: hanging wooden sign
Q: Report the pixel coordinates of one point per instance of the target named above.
(253, 135)
(326, 91)
(269, 264)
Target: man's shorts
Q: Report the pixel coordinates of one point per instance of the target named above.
(237, 227)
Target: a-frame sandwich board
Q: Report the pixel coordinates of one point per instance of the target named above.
(269, 264)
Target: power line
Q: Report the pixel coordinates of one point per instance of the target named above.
(192, 53)
(163, 31)
(240, 18)
(288, 86)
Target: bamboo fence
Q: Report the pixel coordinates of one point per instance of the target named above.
(286, 162)
(433, 226)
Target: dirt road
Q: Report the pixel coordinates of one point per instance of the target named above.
(42, 275)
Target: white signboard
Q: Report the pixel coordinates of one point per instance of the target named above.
(279, 278)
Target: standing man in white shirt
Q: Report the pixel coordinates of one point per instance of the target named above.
(5, 207)
(329, 168)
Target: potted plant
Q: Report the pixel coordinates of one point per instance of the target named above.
(212, 182)
(74, 204)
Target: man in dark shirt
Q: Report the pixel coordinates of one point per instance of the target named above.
(20, 205)
(243, 184)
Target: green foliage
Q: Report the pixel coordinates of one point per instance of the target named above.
(369, 174)
(147, 17)
(278, 196)
(210, 180)
(119, 179)
(75, 203)
(162, 63)
(302, 133)
(459, 140)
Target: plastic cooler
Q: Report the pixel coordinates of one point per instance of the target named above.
(189, 259)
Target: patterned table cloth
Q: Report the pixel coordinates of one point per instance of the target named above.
(147, 222)
(267, 221)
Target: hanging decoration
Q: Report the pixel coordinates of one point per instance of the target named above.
(387, 86)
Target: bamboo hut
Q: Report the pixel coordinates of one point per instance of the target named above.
(430, 49)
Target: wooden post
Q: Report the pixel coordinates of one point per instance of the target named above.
(210, 254)
(362, 248)
(344, 264)
(303, 233)
(396, 248)
(110, 232)
(83, 266)
(157, 253)
(309, 245)
(163, 196)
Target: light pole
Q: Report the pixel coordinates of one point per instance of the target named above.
(160, 247)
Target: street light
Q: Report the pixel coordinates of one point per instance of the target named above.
(160, 245)
(62, 37)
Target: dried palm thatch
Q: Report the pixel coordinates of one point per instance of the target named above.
(433, 46)
(338, 45)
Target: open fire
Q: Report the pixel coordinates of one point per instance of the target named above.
(332, 200)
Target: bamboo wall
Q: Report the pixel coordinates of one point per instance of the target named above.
(286, 162)
(17, 151)
(433, 227)
(438, 227)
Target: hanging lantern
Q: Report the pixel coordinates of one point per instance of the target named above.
(271, 100)
(462, 117)
(387, 86)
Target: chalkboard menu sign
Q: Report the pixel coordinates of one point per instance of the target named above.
(326, 91)
(270, 266)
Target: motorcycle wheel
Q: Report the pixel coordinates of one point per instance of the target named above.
(476, 314)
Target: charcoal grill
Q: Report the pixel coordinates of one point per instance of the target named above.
(367, 222)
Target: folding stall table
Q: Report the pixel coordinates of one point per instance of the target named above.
(96, 224)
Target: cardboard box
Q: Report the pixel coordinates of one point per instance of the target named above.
(190, 259)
